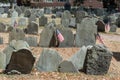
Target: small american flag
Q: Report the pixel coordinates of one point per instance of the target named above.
(107, 27)
(59, 36)
(99, 38)
(15, 23)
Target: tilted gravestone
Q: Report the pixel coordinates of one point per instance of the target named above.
(32, 28)
(67, 67)
(43, 21)
(2, 61)
(27, 13)
(85, 34)
(97, 60)
(100, 26)
(21, 61)
(49, 60)
(2, 27)
(22, 22)
(80, 15)
(68, 37)
(32, 41)
(16, 34)
(78, 58)
(113, 28)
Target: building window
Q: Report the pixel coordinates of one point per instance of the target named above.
(49, 1)
(61, 0)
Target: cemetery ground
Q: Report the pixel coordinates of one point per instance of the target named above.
(111, 40)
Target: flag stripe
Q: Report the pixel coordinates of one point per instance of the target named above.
(99, 38)
(59, 36)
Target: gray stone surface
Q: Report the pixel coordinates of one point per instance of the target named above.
(9, 28)
(100, 26)
(22, 21)
(2, 61)
(49, 60)
(67, 67)
(78, 58)
(118, 21)
(32, 18)
(14, 17)
(1, 10)
(32, 28)
(18, 9)
(16, 34)
(1, 40)
(85, 34)
(32, 41)
(113, 28)
(65, 22)
(72, 22)
(27, 13)
(98, 60)
(2, 27)
(43, 21)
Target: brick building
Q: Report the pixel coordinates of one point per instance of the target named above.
(55, 3)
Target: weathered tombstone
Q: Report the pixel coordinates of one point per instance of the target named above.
(5, 15)
(43, 21)
(51, 24)
(2, 27)
(40, 13)
(27, 13)
(72, 22)
(67, 67)
(100, 26)
(80, 15)
(2, 61)
(49, 60)
(18, 9)
(9, 28)
(32, 41)
(118, 21)
(58, 14)
(78, 59)
(85, 34)
(32, 18)
(68, 37)
(47, 11)
(66, 15)
(14, 17)
(113, 28)
(97, 60)
(32, 28)
(65, 22)
(16, 34)
(22, 22)
(1, 40)
(99, 12)
(1, 10)
(46, 36)
(21, 61)
(6, 9)
(112, 18)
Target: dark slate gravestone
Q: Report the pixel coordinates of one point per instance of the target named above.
(16, 34)
(27, 13)
(98, 60)
(68, 37)
(99, 12)
(1, 10)
(2, 61)
(21, 61)
(100, 26)
(67, 67)
(85, 34)
(49, 60)
(43, 21)
(2, 27)
(80, 15)
(47, 38)
(113, 28)
(32, 28)
(32, 41)
(118, 21)
(1, 40)
(78, 58)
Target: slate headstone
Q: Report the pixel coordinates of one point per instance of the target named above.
(32, 18)
(2, 61)
(43, 21)
(1, 10)
(49, 60)
(18, 9)
(113, 28)
(27, 13)
(22, 22)
(97, 60)
(1, 40)
(2, 27)
(67, 67)
(100, 26)
(72, 22)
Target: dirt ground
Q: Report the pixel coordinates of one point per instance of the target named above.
(111, 40)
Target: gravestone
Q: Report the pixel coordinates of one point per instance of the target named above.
(2, 61)
(1, 40)
(66, 15)
(49, 60)
(85, 34)
(46, 36)
(22, 61)
(1, 10)
(27, 13)
(113, 28)
(112, 18)
(78, 58)
(68, 37)
(2, 27)
(72, 22)
(14, 17)
(43, 21)
(99, 12)
(9, 28)
(32, 41)
(65, 22)
(51, 24)
(22, 22)
(98, 60)
(40, 13)
(118, 21)
(80, 15)
(6, 9)
(100, 26)
(32, 18)
(58, 14)
(18, 9)
(47, 11)
(16, 34)
(67, 67)
(32, 28)
(4, 15)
